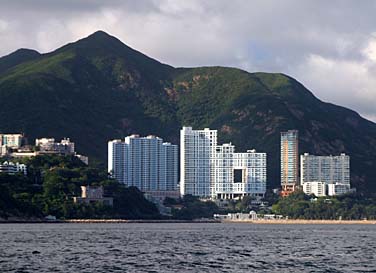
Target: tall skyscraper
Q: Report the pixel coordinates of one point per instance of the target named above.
(209, 170)
(289, 161)
(197, 147)
(144, 162)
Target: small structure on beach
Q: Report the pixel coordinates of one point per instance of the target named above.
(251, 216)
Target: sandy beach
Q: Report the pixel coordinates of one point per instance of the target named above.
(303, 222)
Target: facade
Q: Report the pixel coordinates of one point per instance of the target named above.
(45, 143)
(11, 140)
(215, 171)
(338, 189)
(251, 216)
(144, 162)
(317, 188)
(13, 168)
(327, 169)
(238, 174)
(289, 161)
(48, 145)
(197, 148)
(332, 171)
(91, 195)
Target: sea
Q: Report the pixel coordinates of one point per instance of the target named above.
(187, 247)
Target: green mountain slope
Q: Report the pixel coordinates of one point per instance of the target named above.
(19, 56)
(98, 89)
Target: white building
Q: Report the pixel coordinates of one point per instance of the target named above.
(238, 174)
(11, 140)
(45, 143)
(144, 162)
(48, 145)
(13, 168)
(83, 158)
(338, 189)
(197, 149)
(90, 195)
(328, 169)
(317, 188)
(333, 171)
(216, 171)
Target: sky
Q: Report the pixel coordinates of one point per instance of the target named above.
(329, 46)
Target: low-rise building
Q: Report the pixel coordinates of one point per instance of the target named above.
(320, 189)
(10, 142)
(252, 215)
(64, 147)
(91, 195)
(83, 158)
(316, 187)
(338, 189)
(48, 145)
(13, 168)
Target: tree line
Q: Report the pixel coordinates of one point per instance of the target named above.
(51, 183)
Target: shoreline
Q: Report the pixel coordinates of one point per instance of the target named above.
(103, 221)
(304, 222)
(206, 221)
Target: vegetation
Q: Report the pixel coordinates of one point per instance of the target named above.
(53, 181)
(19, 56)
(190, 207)
(98, 89)
(347, 207)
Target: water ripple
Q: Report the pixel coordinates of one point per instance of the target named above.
(187, 248)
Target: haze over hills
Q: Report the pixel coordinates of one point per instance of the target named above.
(97, 89)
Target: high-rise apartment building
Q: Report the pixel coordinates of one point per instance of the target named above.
(209, 170)
(289, 161)
(197, 148)
(333, 171)
(327, 169)
(144, 162)
(238, 174)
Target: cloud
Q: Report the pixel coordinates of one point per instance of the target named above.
(344, 82)
(330, 46)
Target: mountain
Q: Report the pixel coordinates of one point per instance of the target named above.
(97, 89)
(19, 56)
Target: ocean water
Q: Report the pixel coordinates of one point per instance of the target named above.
(187, 248)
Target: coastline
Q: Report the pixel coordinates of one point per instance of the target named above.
(213, 221)
(101, 221)
(304, 222)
